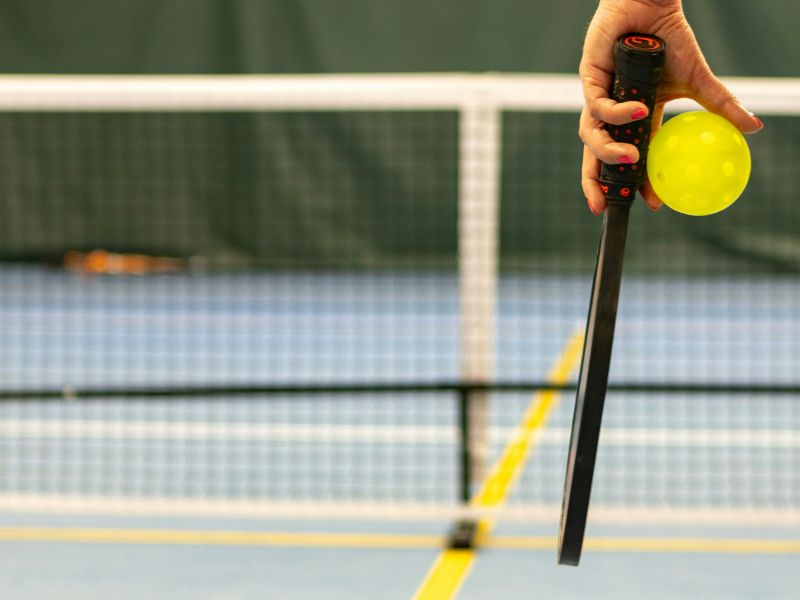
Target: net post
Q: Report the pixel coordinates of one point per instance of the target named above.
(463, 533)
(465, 454)
(478, 210)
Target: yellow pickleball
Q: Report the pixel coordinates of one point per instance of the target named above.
(698, 163)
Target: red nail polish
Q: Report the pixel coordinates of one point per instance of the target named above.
(591, 208)
(758, 121)
(639, 113)
(624, 159)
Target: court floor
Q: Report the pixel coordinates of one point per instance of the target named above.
(337, 560)
(697, 496)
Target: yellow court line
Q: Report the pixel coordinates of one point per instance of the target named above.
(89, 535)
(656, 544)
(456, 562)
(709, 546)
(446, 575)
(451, 568)
(497, 485)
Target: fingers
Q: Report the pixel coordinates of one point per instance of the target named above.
(617, 113)
(600, 146)
(590, 171)
(594, 135)
(646, 190)
(715, 97)
(658, 117)
(598, 111)
(595, 198)
(650, 197)
(596, 76)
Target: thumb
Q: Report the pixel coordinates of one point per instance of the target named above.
(712, 94)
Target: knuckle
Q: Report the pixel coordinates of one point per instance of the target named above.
(582, 133)
(595, 109)
(606, 154)
(729, 101)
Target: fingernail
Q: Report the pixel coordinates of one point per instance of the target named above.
(639, 113)
(625, 159)
(654, 208)
(757, 121)
(591, 208)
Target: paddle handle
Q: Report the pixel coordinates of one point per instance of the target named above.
(639, 60)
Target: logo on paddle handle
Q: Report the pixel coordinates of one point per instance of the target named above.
(643, 42)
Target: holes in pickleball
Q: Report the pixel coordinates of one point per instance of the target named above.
(736, 139)
(728, 169)
(672, 142)
(708, 138)
(661, 176)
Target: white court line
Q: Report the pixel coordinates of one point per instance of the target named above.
(128, 506)
(187, 430)
(382, 434)
(646, 436)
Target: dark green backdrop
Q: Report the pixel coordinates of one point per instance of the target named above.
(740, 37)
(358, 190)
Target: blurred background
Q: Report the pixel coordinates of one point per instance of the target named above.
(352, 36)
(289, 288)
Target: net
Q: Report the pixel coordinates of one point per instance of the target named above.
(340, 295)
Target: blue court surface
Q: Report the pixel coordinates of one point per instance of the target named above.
(50, 569)
(350, 496)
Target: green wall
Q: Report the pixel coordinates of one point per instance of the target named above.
(740, 37)
(351, 190)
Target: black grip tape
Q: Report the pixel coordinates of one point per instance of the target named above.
(639, 62)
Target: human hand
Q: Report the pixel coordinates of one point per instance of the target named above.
(686, 75)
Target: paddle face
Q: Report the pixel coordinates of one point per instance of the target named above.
(639, 61)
